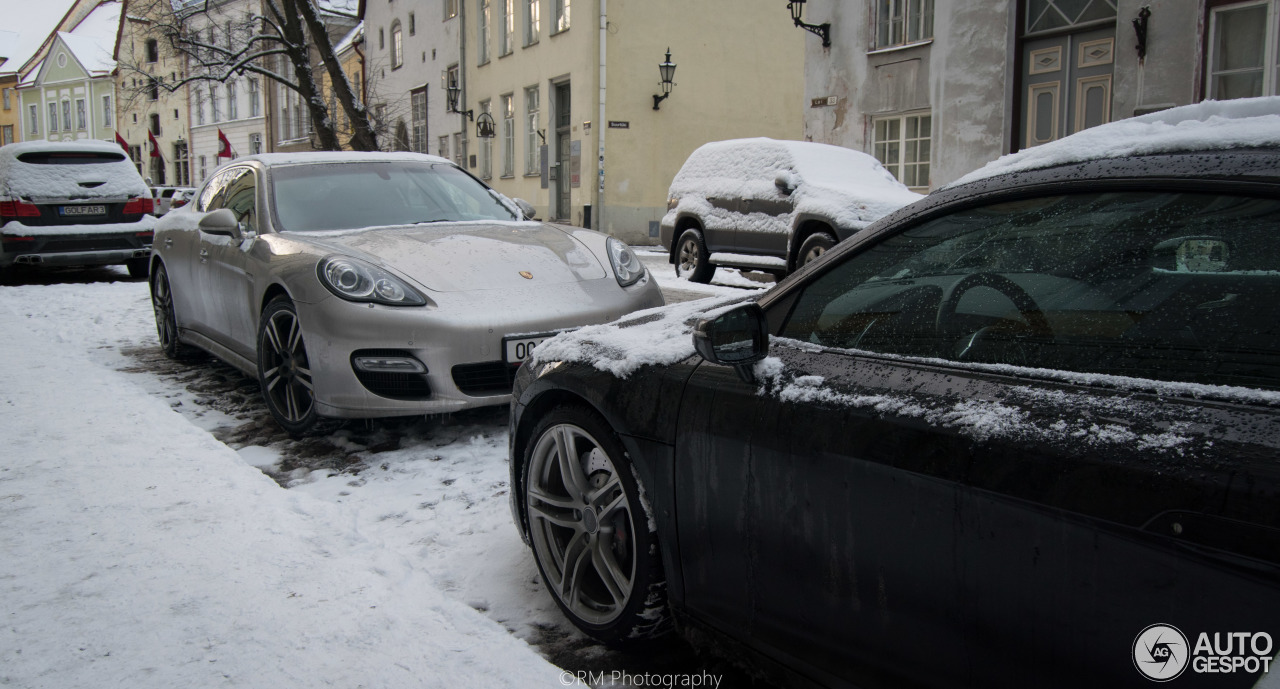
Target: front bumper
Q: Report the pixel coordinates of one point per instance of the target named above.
(457, 329)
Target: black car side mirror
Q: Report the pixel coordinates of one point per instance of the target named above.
(737, 338)
(221, 222)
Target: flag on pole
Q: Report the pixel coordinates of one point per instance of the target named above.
(224, 150)
(155, 147)
(123, 144)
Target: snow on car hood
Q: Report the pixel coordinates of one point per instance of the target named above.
(659, 337)
(108, 180)
(850, 188)
(455, 257)
(1206, 126)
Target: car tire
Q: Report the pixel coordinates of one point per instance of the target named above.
(138, 267)
(592, 535)
(814, 246)
(166, 315)
(284, 371)
(692, 258)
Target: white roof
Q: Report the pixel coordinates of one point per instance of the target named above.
(32, 21)
(346, 42)
(94, 39)
(340, 157)
(1206, 126)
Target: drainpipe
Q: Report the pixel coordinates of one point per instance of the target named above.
(462, 80)
(600, 121)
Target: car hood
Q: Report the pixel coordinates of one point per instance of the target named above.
(458, 257)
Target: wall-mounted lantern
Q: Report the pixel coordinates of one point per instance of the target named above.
(485, 128)
(822, 30)
(667, 70)
(452, 93)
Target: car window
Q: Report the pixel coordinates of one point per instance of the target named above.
(1169, 286)
(241, 197)
(208, 197)
(333, 196)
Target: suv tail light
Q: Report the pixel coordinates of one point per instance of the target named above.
(178, 203)
(139, 206)
(18, 209)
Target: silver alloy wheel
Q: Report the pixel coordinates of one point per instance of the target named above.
(581, 524)
(813, 253)
(286, 373)
(690, 256)
(162, 303)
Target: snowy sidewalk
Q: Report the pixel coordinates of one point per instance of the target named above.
(138, 551)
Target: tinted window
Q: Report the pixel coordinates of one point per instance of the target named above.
(211, 197)
(70, 157)
(241, 198)
(1179, 287)
(371, 194)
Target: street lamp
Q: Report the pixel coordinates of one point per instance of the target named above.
(452, 93)
(667, 70)
(822, 30)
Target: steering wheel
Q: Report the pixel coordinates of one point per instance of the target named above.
(1021, 299)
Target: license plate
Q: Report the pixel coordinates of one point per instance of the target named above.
(518, 348)
(84, 210)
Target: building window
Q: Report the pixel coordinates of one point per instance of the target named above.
(66, 116)
(482, 31)
(8, 96)
(213, 103)
(203, 169)
(413, 25)
(198, 104)
(899, 22)
(508, 135)
(233, 107)
(153, 89)
(459, 150)
(81, 115)
(397, 45)
(153, 50)
(382, 39)
(418, 116)
(155, 124)
(34, 112)
(107, 112)
(507, 28)
(531, 131)
(135, 154)
(442, 147)
(532, 21)
(562, 15)
(486, 145)
(6, 135)
(902, 145)
(181, 165)
(255, 144)
(53, 117)
(255, 99)
(450, 9)
(1238, 40)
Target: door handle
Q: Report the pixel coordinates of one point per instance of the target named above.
(204, 255)
(168, 242)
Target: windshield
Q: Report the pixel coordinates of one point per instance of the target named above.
(338, 196)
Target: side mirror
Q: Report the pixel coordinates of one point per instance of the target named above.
(526, 208)
(737, 338)
(785, 182)
(1205, 254)
(221, 222)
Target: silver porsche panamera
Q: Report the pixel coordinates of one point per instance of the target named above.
(357, 285)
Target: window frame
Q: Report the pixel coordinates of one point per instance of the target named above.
(34, 110)
(108, 112)
(486, 144)
(397, 45)
(893, 19)
(899, 168)
(482, 31)
(532, 115)
(507, 101)
(561, 16)
(82, 114)
(532, 21)
(1270, 58)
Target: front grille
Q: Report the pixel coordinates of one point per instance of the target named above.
(487, 378)
(396, 386)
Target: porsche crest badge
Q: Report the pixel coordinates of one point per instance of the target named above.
(526, 275)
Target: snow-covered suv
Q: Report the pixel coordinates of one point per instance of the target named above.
(73, 204)
(771, 205)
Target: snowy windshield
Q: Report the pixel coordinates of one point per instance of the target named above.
(338, 196)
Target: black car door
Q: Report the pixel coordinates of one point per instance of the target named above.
(993, 448)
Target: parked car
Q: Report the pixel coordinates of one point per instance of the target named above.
(181, 197)
(991, 441)
(360, 285)
(770, 205)
(73, 204)
(165, 196)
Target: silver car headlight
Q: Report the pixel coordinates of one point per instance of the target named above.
(355, 280)
(626, 266)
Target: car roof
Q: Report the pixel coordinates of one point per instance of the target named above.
(321, 157)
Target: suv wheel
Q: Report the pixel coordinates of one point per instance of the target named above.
(691, 258)
(815, 245)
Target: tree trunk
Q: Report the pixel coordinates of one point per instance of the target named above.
(364, 138)
(298, 49)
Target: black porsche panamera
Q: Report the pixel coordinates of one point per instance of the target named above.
(987, 442)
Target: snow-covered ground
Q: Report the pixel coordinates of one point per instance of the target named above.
(143, 546)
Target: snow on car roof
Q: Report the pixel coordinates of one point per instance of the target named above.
(1206, 126)
(339, 157)
(39, 181)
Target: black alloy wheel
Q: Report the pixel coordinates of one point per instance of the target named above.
(166, 316)
(284, 372)
(692, 259)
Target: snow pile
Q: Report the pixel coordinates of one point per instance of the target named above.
(160, 559)
(653, 337)
(37, 181)
(849, 188)
(1210, 125)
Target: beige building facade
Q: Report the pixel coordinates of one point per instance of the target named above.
(149, 104)
(571, 86)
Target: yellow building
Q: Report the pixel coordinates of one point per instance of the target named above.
(571, 87)
(148, 67)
